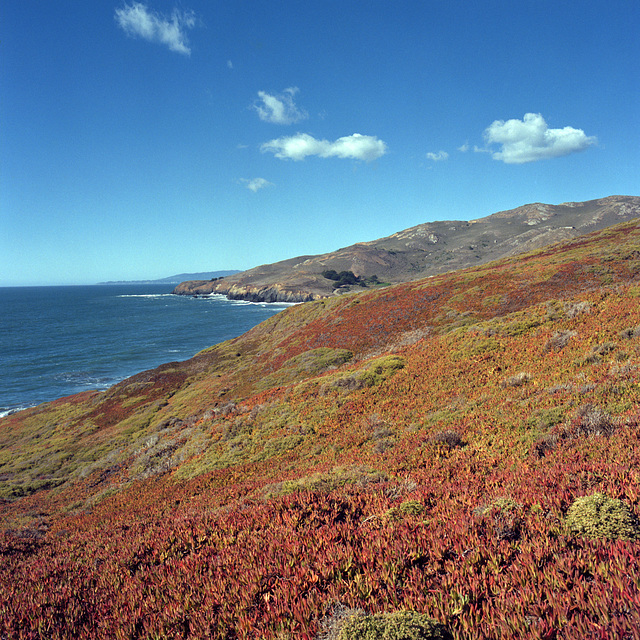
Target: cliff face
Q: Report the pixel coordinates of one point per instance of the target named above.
(253, 293)
(425, 250)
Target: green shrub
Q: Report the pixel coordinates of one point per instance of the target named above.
(325, 482)
(598, 516)
(380, 369)
(399, 625)
(405, 509)
(343, 278)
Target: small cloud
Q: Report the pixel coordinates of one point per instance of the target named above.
(229, 64)
(137, 20)
(464, 148)
(437, 157)
(530, 139)
(256, 183)
(298, 147)
(279, 109)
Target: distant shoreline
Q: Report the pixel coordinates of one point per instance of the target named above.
(176, 279)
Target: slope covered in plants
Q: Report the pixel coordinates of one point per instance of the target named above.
(425, 447)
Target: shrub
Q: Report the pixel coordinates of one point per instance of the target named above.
(501, 519)
(516, 380)
(399, 625)
(559, 340)
(332, 624)
(598, 516)
(325, 482)
(449, 438)
(573, 309)
(343, 278)
(381, 368)
(591, 421)
(596, 353)
(545, 445)
(630, 332)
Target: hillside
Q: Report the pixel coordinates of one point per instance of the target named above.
(425, 250)
(431, 446)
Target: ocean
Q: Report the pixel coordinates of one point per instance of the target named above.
(56, 341)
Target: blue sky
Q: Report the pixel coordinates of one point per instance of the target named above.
(143, 139)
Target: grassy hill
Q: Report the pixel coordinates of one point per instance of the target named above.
(464, 446)
(424, 250)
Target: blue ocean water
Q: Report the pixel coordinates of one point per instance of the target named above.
(56, 341)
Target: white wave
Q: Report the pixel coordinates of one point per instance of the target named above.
(220, 297)
(264, 305)
(85, 379)
(7, 412)
(144, 295)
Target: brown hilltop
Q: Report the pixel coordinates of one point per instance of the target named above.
(424, 250)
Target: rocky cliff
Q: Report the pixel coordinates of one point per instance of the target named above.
(253, 293)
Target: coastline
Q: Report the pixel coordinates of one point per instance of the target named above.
(58, 341)
(266, 293)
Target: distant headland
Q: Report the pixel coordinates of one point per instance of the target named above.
(428, 249)
(177, 279)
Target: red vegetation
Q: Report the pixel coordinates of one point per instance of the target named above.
(438, 482)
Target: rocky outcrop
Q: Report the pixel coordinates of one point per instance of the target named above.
(274, 293)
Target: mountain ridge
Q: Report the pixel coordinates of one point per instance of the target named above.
(178, 278)
(423, 250)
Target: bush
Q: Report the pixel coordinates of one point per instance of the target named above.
(591, 420)
(343, 278)
(545, 445)
(598, 516)
(449, 438)
(630, 332)
(559, 340)
(381, 368)
(516, 380)
(399, 625)
(501, 519)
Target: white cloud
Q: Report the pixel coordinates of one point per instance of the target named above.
(436, 157)
(530, 139)
(301, 145)
(279, 109)
(464, 148)
(256, 183)
(137, 20)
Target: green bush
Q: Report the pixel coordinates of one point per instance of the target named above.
(598, 516)
(399, 625)
(343, 278)
(380, 369)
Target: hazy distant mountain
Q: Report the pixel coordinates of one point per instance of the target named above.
(181, 277)
(424, 250)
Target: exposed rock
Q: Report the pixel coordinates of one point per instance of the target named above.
(274, 293)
